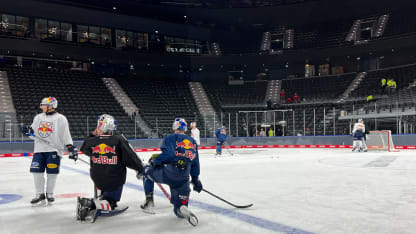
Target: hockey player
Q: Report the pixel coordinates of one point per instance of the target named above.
(178, 161)
(221, 134)
(52, 127)
(195, 133)
(361, 127)
(110, 155)
(357, 140)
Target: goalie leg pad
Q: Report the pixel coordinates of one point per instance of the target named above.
(112, 197)
(102, 205)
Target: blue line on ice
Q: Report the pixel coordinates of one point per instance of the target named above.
(256, 221)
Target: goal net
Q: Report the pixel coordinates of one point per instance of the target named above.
(380, 140)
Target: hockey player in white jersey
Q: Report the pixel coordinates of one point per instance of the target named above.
(195, 133)
(360, 126)
(52, 127)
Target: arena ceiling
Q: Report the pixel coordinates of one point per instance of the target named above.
(242, 14)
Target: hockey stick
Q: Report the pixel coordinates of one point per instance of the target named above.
(163, 190)
(229, 203)
(54, 146)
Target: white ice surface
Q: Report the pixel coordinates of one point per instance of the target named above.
(293, 190)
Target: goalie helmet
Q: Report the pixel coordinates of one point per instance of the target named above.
(106, 123)
(179, 124)
(49, 101)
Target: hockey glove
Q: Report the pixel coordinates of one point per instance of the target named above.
(152, 159)
(73, 152)
(27, 130)
(197, 185)
(139, 176)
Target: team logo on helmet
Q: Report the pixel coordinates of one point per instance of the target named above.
(45, 129)
(106, 123)
(49, 101)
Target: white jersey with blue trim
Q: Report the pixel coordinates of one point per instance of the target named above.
(53, 128)
(358, 126)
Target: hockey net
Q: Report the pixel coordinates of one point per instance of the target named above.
(380, 140)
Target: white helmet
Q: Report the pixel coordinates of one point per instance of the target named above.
(360, 121)
(179, 124)
(193, 124)
(106, 123)
(49, 101)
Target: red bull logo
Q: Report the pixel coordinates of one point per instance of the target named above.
(103, 149)
(104, 160)
(45, 129)
(186, 144)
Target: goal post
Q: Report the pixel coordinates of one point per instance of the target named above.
(380, 140)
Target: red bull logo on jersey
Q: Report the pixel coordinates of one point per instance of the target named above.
(104, 160)
(45, 129)
(188, 147)
(103, 149)
(186, 144)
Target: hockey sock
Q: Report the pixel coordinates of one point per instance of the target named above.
(50, 184)
(39, 182)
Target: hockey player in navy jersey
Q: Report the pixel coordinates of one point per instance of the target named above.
(110, 155)
(221, 134)
(178, 162)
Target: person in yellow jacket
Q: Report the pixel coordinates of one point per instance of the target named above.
(389, 86)
(271, 133)
(390, 83)
(383, 85)
(383, 82)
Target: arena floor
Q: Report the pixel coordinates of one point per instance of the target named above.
(293, 191)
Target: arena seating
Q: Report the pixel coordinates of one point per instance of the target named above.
(161, 101)
(326, 34)
(223, 94)
(318, 88)
(371, 85)
(81, 98)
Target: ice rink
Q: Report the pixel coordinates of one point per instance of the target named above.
(293, 190)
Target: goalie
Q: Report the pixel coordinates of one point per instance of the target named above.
(110, 155)
(358, 134)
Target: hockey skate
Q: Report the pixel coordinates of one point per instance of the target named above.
(38, 200)
(148, 205)
(50, 198)
(188, 215)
